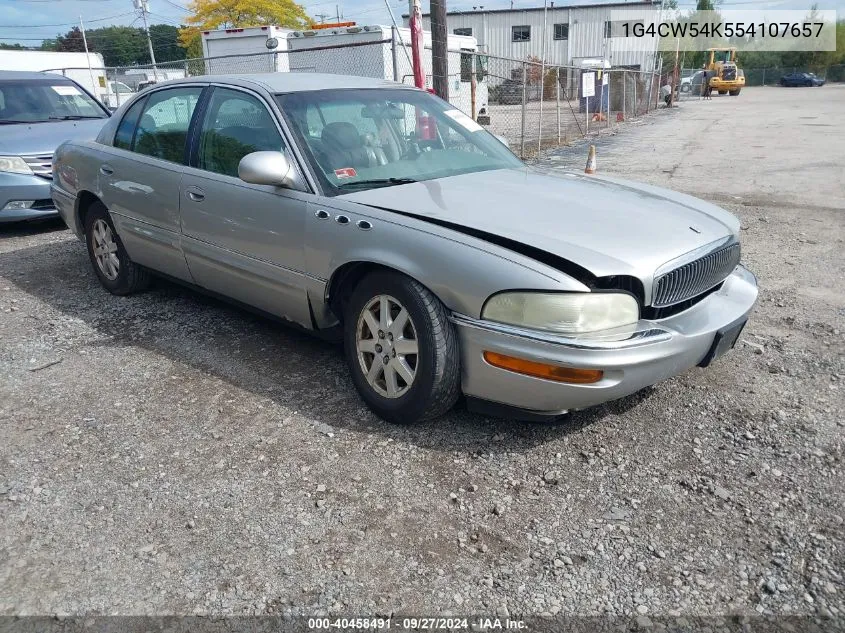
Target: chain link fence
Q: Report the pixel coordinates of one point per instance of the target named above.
(690, 79)
(531, 104)
(536, 105)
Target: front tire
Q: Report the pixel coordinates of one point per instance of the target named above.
(116, 271)
(401, 349)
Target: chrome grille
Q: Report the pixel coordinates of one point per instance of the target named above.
(40, 164)
(696, 277)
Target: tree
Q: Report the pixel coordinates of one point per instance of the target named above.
(71, 42)
(166, 43)
(123, 45)
(213, 14)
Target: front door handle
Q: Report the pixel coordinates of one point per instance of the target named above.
(195, 194)
(106, 170)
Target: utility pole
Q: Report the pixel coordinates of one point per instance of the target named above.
(144, 7)
(88, 57)
(322, 17)
(439, 49)
(415, 23)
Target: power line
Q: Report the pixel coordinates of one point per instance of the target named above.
(167, 19)
(178, 6)
(39, 26)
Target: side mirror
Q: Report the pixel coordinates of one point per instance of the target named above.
(267, 168)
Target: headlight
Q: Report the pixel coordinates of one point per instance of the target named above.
(566, 313)
(14, 164)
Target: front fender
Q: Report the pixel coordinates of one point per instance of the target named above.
(461, 270)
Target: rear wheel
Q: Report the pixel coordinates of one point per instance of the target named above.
(116, 271)
(723, 92)
(734, 93)
(401, 348)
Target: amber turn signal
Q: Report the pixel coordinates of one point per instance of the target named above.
(542, 370)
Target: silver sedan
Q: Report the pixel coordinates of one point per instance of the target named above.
(378, 214)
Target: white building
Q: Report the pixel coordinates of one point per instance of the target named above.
(564, 33)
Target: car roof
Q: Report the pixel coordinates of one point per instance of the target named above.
(21, 74)
(293, 82)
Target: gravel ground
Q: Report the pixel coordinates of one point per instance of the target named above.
(167, 453)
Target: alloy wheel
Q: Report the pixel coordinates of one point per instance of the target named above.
(387, 346)
(105, 249)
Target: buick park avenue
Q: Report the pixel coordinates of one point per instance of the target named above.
(377, 213)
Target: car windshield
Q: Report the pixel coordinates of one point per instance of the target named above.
(42, 100)
(362, 139)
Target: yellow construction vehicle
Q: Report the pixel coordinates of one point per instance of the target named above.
(726, 77)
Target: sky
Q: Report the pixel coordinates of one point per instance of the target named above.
(30, 21)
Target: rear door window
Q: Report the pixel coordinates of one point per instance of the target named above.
(126, 129)
(162, 130)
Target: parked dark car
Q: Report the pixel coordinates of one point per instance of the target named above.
(509, 92)
(794, 80)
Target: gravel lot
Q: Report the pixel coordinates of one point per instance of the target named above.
(182, 456)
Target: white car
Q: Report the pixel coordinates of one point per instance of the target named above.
(693, 82)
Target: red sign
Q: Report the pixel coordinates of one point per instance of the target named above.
(346, 172)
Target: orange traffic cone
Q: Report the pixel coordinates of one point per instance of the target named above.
(591, 161)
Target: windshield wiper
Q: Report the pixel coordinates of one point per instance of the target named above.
(74, 117)
(18, 122)
(376, 182)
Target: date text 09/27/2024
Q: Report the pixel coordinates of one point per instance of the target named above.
(418, 624)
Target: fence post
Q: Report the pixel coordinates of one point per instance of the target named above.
(624, 96)
(111, 89)
(607, 123)
(635, 97)
(557, 102)
(542, 99)
(522, 126)
(764, 77)
(473, 86)
(394, 57)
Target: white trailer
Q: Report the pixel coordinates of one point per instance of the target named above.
(72, 65)
(245, 50)
(377, 51)
(134, 76)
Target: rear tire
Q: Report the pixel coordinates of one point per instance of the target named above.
(116, 271)
(723, 92)
(734, 93)
(401, 349)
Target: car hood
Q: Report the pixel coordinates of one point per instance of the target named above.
(607, 225)
(44, 138)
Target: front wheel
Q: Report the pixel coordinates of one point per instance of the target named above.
(401, 348)
(734, 93)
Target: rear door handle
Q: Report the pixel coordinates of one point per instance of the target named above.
(197, 195)
(106, 170)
